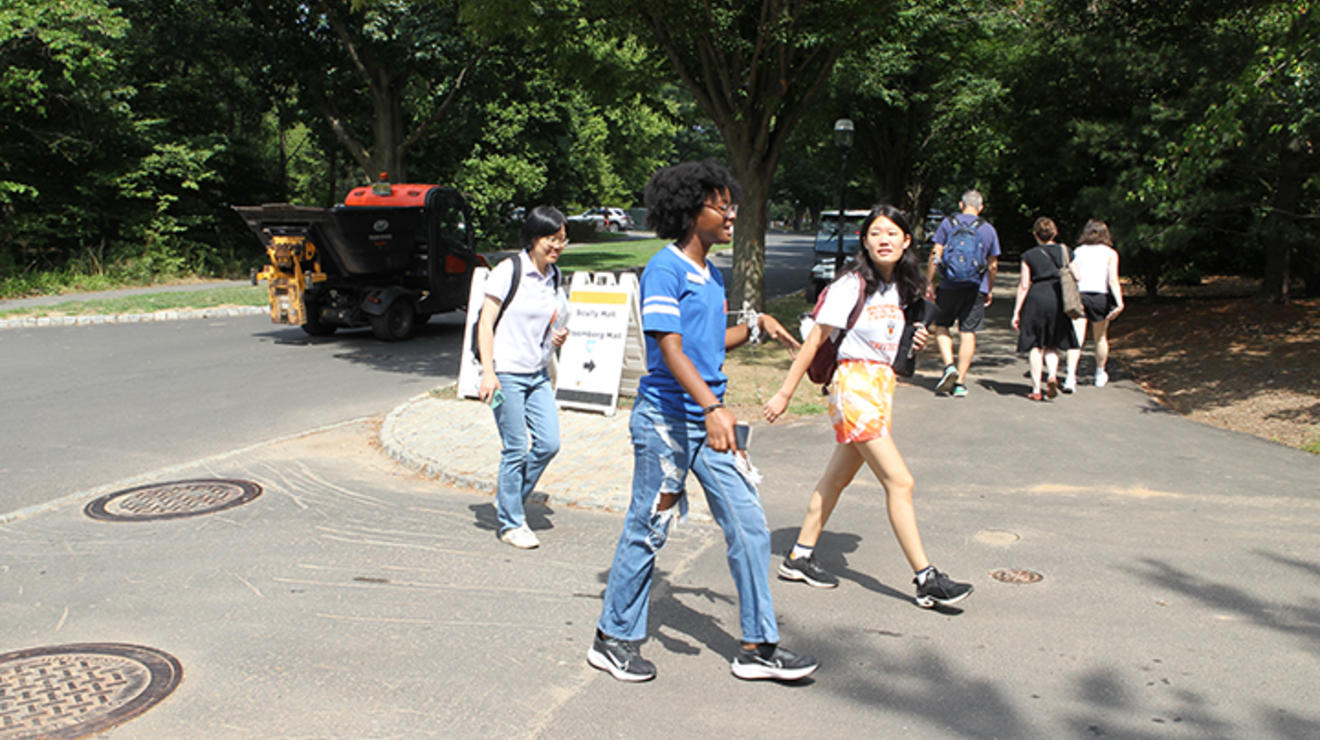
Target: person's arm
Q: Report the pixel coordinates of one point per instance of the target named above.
(1115, 287)
(719, 422)
(778, 403)
(1024, 284)
(737, 335)
(936, 251)
(992, 269)
(486, 343)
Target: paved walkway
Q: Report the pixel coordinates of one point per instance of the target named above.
(1178, 592)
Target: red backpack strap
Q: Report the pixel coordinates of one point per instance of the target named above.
(861, 303)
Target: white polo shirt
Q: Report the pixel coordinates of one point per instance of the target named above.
(522, 338)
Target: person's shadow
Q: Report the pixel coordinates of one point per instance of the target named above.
(680, 620)
(830, 554)
(536, 511)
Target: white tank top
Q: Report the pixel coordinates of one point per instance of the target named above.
(1092, 261)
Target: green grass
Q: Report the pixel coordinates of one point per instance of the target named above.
(616, 255)
(1313, 446)
(244, 295)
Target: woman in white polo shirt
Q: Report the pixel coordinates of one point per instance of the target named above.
(515, 343)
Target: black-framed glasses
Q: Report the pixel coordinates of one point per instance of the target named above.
(727, 211)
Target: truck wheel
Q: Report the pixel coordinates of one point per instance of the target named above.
(396, 323)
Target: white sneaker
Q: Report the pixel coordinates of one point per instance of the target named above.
(1070, 384)
(1101, 378)
(520, 537)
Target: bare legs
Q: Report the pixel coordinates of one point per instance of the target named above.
(1074, 355)
(966, 349)
(1034, 362)
(885, 461)
(1100, 332)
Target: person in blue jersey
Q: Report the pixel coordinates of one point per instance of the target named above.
(679, 424)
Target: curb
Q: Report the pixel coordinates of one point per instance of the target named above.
(31, 322)
(456, 441)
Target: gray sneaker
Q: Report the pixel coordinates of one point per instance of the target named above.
(620, 658)
(942, 590)
(771, 661)
(806, 570)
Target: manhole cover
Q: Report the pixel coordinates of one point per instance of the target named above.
(70, 691)
(1016, 576)
(997, 537)
(172, 500)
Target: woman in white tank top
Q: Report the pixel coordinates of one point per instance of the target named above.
(1095, 265)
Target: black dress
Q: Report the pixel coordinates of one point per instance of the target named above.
(1042, 322)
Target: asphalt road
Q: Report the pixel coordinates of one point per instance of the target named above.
(86, 406)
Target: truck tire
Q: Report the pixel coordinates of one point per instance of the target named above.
(397, 323)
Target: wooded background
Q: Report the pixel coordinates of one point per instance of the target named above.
(128, 128)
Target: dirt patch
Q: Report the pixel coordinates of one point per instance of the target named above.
(1228, 360)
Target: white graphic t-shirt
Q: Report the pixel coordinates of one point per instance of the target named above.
(878, 330)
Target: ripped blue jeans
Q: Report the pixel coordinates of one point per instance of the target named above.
(664, 450)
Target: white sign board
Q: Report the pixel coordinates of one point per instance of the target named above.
(469, 368)
(603, 316)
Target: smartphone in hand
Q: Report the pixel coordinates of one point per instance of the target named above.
(496, 398)
(742, 435)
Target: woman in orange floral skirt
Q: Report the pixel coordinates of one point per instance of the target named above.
(861, 400)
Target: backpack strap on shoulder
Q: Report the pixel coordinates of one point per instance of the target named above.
(513, 288)
(861, 303)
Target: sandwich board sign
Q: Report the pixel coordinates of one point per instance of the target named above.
(604, 336)
(469, 368)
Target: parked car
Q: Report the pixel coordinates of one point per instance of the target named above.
(621, 217)
(826, 247)
(604, 219)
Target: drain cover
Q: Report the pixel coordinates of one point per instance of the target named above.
(70, 691)
(172, 500)
(1016, 576)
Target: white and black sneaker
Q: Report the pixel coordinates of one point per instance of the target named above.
(768, 660)
(806, 570)
(621, 658)
(940, 589)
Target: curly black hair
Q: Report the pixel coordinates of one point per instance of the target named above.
(909, 276)
(675, 195)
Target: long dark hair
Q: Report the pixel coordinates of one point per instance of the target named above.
(908, 275)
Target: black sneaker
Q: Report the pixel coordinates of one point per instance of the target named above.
(771, 661)
(942, 590)
(805, 569)
(947, 380)
(620, 658)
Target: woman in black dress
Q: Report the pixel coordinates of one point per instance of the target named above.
(1043, 328)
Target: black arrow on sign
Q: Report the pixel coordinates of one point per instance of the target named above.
(589, 365)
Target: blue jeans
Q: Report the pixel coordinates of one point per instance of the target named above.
(529, 407)
(664, 450)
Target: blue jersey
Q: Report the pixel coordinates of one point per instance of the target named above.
(682, 297)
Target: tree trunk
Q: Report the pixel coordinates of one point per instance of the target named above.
(749, 243)
(1279, 225)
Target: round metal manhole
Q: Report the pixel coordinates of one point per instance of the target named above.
(71, 691)
(1007, 575)
(172, 500)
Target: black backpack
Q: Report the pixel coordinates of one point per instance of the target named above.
(504, 306)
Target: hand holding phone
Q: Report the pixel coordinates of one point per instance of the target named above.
(496, 398)
(742, 435)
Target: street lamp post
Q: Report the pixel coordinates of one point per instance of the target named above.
(843, 138)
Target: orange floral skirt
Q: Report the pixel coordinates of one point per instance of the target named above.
(861, 400)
